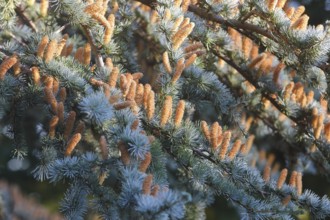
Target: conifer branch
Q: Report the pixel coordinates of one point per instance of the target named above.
(300, 122)
(187, 106)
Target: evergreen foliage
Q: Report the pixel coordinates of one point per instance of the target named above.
(151, 109)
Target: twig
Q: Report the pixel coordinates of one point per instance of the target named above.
(230, 22)
(19, 11)
(16, 39)
(61, 28)
(219, 19)
(248, 15)
(98, 56)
